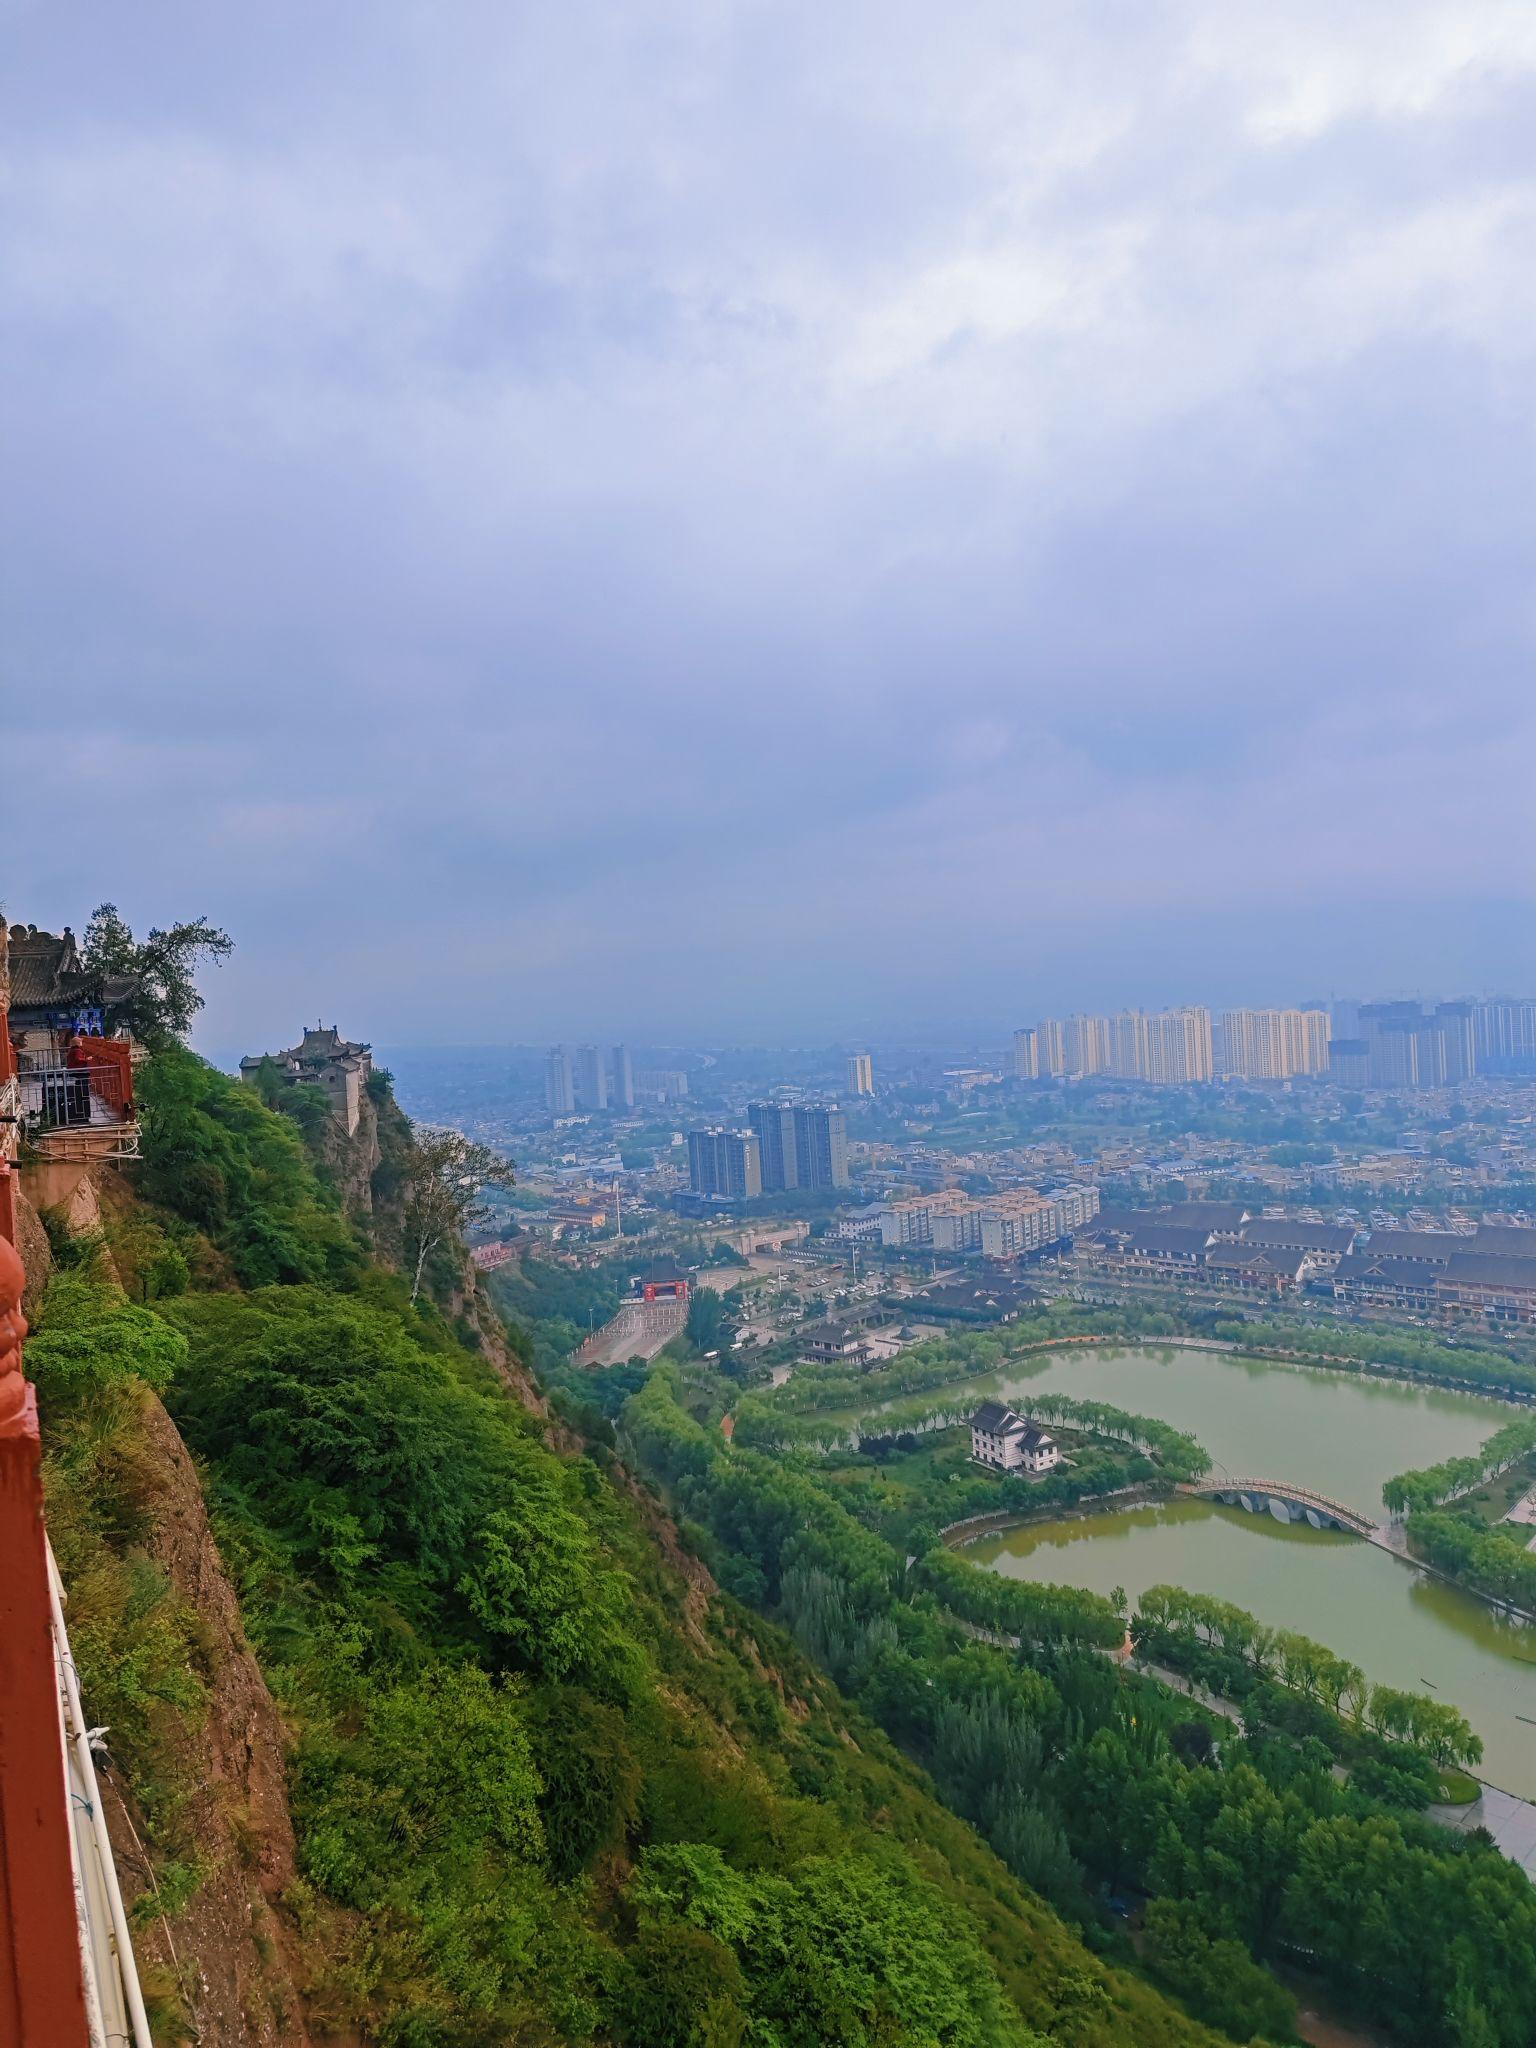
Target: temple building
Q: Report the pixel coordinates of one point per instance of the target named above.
(322, 1059)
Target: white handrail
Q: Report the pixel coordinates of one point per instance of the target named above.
(106, 1952)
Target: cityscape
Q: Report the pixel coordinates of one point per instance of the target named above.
(767, 1141)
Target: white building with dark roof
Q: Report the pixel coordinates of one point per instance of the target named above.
(1010, 1443)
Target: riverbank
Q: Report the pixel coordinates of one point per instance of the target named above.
(1511, 1821)
(957, 1534)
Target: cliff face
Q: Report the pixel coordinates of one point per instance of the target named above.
(231, 1948)
(36, 1255)
(350, 1163)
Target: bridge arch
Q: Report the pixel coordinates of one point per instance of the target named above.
(1284, 1501)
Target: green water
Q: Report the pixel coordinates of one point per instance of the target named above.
(1336, 1433)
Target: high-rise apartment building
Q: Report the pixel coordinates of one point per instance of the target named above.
(670, 1084)
(861, 1074)
(1051, 1040)
(1456, 1028)
(591, 1076)
(1087, 1045)
(1003, 1226)
(724, 1163)
(1179, 1045)
(821, 1148)
(1314, 1032)
(1128, 1046)
(1025, 1062)
(774, 1127)
(1014, 1224)
(621, 1091)
(1344, 1018)
(559, 1083)
(1274, 1045)
(1504, 1033)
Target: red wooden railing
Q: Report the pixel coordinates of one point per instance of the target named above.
(42, 1995)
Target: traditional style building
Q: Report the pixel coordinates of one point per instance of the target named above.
(1010, 1443)
(70, 1079)
(322, 1059)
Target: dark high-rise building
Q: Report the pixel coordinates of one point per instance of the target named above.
(777, 1151)
(591, 1078)
(1349, 1062)
(1392, 1034)
(821, 1148)
(1344, 1018)
(1411, 1047)
(621, 1079)
(724, 1163)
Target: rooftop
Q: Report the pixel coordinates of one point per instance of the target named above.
(1491, 1269)
(1310, 1237)
(1398, 1272)
(1432, 1247)
(1280, 1261)
(1507, 1240)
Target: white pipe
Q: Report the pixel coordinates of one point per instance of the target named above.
(126, 1969)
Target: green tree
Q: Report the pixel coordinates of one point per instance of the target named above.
(443, 1177)
(158, 995)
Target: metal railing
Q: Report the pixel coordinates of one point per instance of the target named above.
(56, 1097)
(114, 2002)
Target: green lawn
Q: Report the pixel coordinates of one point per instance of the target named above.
(1457, 1789)
(1491, 1503)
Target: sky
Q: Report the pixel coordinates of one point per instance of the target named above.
(721, 520)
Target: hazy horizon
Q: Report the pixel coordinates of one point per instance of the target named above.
(682, 524)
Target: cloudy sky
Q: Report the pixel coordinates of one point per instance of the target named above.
(658, 518)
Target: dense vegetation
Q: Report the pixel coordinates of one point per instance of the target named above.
(549, 1785)
(1408, 1492)
(1446, 1531)
(966, 1355)
(1495, 1562)
(910, 1488)
(1235, 1654)
(1087, 1782)
(1347, 1345)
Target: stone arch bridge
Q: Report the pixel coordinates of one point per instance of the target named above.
(1285, 1502)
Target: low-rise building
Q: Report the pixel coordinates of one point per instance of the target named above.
(1490, 1284)
(1010, 1443)
(1255, 1269)
(832, 1343)
(970, 1301)
(1377, 1279)
(1324, 1243)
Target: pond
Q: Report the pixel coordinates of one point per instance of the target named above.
(1337, 1433)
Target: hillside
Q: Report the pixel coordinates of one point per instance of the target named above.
(435, 1729)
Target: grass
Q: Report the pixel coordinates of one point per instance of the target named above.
(1457, 1789)
(1491, 1503)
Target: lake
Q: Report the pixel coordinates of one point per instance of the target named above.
(1338, 1433)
